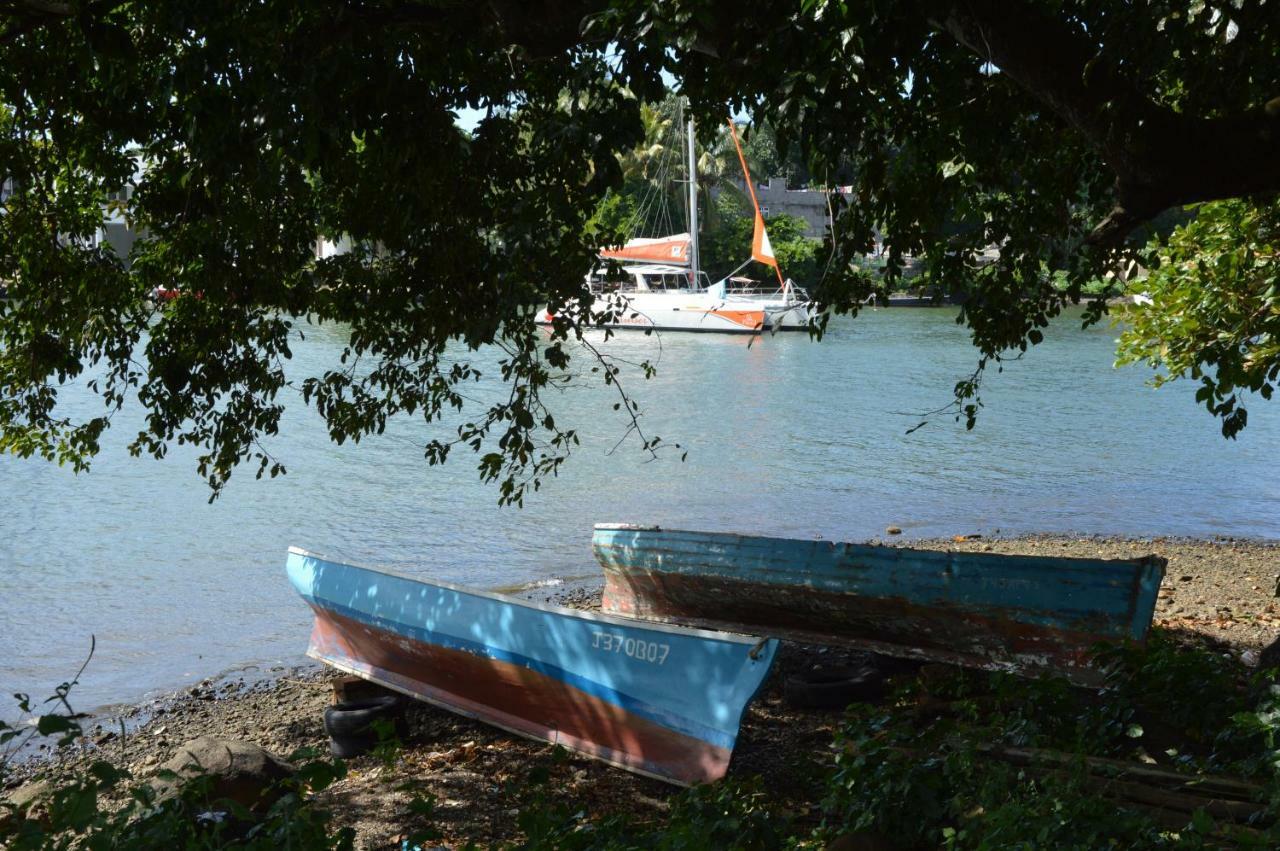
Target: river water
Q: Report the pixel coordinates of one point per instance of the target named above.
(783, 436)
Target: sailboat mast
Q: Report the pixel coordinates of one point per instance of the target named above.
(693, 208)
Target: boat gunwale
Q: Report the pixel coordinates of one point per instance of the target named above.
(549, 608)
(1149, 560)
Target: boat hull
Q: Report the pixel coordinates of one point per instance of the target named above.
(600, 685)
(1026, 614)
(784, 316)
(703, 311)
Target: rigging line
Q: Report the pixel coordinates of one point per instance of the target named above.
(681, 134)
(649, 212)
(636, 219)
(654, 210)
(642, 208)
(662, 212)
(745, 264)
(679, 211)
(691, 175)
(662, 206)
(653, 203)
(670, 155)
(641, 216)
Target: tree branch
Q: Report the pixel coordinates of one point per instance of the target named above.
(1161, 158)
(541, 27)
(31, 15)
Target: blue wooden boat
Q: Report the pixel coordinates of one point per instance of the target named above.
(1029, 614)
(660, 700)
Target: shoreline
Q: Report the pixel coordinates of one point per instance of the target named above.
(1217, 592)
(583, 591)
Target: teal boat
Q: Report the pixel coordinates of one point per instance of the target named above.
(1029, 614)
(660, 700)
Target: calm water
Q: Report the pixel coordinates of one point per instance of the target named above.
(784, 436)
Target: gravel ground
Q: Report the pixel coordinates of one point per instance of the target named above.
(1221, 590)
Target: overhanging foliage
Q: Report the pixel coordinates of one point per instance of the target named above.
(1050, 130)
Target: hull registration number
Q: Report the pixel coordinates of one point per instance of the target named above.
(646, 651)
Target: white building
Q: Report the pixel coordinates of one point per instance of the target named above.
(116, 232)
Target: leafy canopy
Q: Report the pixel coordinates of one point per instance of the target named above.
(1052, 130)
(258, 128)
(1214, 314)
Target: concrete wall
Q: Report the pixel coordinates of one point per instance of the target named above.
(807, 204)
(120, 237)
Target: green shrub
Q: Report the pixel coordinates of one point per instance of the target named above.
(928, 778)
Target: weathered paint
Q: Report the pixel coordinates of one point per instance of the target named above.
(1023, 613)
(664, 701)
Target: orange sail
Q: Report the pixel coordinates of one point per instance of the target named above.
(664, 249)
(761, 248)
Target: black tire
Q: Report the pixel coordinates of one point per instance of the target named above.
(352, 745)
(892, 666)
(350, 725)
(834, 688)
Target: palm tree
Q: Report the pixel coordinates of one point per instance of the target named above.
(654, 170)
(657, 173)
(653, 156)
(720, 172)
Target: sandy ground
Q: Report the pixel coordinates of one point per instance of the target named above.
(1222, 590)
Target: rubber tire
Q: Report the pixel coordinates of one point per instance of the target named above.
(834, 688)
(892, 666)
(350, 725)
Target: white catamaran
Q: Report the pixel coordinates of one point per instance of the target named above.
(662, 286)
